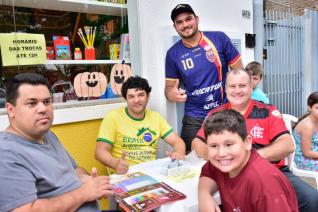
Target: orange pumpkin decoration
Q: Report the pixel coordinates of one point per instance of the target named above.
(88, 84)
(119, 74)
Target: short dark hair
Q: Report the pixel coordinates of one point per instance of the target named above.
(23, 78)
(226, 120)
(136, 82)
(255, 68)
(237, 71)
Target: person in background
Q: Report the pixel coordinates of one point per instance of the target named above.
(235, 168)
(306, 136)
(270, 136)
(198, 63)
(130, 135)
(37, 173)
(256, 70)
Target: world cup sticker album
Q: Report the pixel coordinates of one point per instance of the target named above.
(140, 192)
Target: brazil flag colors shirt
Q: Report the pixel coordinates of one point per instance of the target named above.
(138, 137)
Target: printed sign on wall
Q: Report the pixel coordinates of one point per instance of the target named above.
(22, 49)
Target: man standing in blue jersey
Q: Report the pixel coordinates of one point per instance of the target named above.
(199, 61)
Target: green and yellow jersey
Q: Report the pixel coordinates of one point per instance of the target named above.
(138, 137)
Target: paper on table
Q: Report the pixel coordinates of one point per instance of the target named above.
(184, 177)
(183, 170)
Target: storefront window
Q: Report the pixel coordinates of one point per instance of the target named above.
(70, 29)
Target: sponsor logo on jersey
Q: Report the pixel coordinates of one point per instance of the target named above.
(185, 55)
(210, 98)
(196, 49)
(146, 133)
(206, 89)
(147, 137)
(276, 113)
(209, 53)
(210, 105)
(257, 132)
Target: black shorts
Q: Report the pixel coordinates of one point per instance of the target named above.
(190, 127)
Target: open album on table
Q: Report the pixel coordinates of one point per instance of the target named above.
(141, 192)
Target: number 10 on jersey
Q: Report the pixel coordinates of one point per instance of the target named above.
(187, 63)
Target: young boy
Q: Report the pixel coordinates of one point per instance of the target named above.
(256, 70)
(245, 180)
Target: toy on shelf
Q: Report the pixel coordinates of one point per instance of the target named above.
(90, 84)
(119, 74)
(77, 54)
(63, 90)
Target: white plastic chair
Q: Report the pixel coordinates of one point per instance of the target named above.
(289, 119)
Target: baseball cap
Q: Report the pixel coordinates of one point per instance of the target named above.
(181, 8)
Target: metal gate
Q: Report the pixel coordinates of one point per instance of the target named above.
(283, 62)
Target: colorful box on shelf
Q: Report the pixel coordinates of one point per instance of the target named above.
(124, 52)
(114, 51)
(62, 47)
(49, 53)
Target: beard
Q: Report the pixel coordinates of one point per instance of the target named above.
(189, 36)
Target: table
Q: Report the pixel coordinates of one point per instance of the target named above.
(189, 187)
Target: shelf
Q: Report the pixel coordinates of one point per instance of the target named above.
(50, 15)
(33, 14)
(83, 62)
(82, 6)
(38, 27)
(5, 12)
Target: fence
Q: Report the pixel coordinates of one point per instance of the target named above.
(283, 49)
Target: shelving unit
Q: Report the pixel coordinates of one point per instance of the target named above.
(82, 6)
(84, 62)
(67, 7)
(26, 16)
